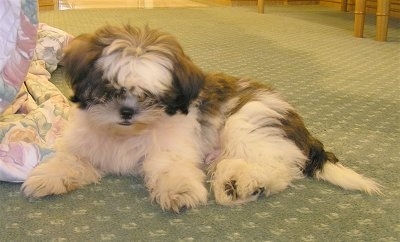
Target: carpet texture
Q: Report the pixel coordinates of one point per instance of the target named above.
(347, 89)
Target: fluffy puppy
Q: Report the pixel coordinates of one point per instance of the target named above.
(143, 107)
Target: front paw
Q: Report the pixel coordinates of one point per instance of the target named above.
(44, 181)
(178, 192)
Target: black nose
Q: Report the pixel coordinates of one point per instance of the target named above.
(126, 113)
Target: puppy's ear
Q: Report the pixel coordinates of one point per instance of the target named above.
(188, 80)
(79, 62)
(80, 56)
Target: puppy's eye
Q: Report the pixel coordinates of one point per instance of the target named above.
(141, 98)
(121, 92)
(144, 97)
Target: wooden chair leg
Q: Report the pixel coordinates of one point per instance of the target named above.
(359, 18)
(382, 19)
(260, 4)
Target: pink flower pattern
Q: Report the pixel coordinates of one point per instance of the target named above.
(14, 153)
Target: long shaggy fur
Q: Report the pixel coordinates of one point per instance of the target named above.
(143, 107)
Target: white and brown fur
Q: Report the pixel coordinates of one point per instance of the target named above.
(143, 107)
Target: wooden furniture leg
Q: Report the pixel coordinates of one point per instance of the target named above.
(343, 5)
(382, 19)
(260, 4)
(359, 18)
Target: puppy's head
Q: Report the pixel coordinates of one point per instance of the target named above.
(127, 74)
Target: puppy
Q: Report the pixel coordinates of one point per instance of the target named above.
(144, 108)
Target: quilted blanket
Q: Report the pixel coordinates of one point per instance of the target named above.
(32, 110)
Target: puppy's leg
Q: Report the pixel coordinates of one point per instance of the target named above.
(60, 174)
(172, 170)
(174, 181)
(256, 157)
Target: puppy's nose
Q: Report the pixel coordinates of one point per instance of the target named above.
(126, 113)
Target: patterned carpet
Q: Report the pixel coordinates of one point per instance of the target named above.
(346, 88)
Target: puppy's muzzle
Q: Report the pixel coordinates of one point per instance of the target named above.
(126, 115)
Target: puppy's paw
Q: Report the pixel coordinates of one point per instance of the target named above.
(236, 181)
(178, 192)
(57, 177)
(40, 184)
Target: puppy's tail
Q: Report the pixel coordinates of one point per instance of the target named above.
(324, 165)
(346, 178)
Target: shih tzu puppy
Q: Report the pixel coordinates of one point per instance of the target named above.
(143, 107)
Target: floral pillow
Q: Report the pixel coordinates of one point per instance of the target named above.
(50, 45)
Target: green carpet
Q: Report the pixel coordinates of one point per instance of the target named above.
(346, 88)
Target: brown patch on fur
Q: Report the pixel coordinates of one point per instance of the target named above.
(220, 88)
(296, 131)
